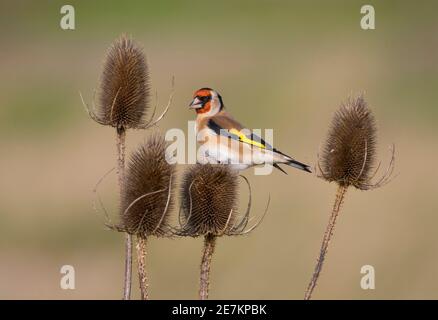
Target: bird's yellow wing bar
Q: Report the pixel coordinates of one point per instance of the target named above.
(246, 139)
(238, 135)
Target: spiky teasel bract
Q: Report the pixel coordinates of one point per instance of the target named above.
(348, 158)
(147, 192)
(124, 90)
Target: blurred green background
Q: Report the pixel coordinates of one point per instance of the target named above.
(285, 65)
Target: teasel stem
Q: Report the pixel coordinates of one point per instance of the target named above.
(128, 266)
(121, 146)
(141, 263)
(209, 245)
(340, 195)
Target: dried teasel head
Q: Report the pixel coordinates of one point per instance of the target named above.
(349, 154)
(147, 192)
(209, 200)
(124, 90)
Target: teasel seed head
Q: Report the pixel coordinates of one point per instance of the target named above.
(147, 194)
(209, 200)
(349, 154)
(124, 90)
(348, 158)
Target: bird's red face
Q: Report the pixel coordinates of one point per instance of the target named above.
(202, 100)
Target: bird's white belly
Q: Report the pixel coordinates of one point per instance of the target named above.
(222, 154)
(219, 154)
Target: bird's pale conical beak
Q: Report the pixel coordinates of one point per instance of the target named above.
(196, 104)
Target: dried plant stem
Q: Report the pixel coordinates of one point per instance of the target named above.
(340, 195)
(120, 143)
(128, 267)
(121, 146)
(141, 262)
(207, 254)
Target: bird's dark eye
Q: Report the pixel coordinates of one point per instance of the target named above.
(204, 99)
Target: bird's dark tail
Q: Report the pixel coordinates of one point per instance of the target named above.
(276, 166)
(298, 165)
(294, 164)
(285, 159)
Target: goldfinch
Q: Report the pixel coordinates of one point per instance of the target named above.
(224, 140)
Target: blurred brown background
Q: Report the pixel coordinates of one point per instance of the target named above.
(277, 64)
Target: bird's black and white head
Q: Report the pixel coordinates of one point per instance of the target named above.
(206, 102)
